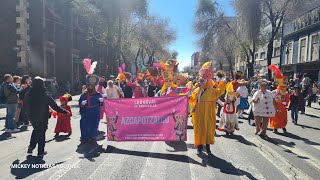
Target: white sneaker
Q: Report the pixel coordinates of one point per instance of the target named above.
(8, 130)
(15, 130)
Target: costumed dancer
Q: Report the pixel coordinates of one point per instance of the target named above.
(139, 86)
(203, 103)
(169, 88)
(220, 74)
(235, 82)
(243, 91)
(229, 120)
(64, 120)
(282, 98)
(90, 103)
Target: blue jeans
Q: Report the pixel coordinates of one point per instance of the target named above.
(11, 111)
(294, 114)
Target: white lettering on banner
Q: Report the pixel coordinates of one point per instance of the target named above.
(145, 120)
(145, 103)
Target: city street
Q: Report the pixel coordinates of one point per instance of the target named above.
(295, 155)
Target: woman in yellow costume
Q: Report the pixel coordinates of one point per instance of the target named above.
(203, 103)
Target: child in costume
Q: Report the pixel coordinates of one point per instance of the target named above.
(64, 120)
(229, 120)
(243, 91)
(90, 104)
(282, 98)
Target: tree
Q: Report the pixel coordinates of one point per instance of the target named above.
(274, 11)
(126, 30)
(187, 69)
(209, 24)
(249, 21)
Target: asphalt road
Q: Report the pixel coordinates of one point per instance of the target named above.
(295, 155)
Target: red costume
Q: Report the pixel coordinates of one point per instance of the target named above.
(64, 120)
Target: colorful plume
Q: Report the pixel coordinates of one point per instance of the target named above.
(276, 71)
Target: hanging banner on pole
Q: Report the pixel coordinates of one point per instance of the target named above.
(147, 119)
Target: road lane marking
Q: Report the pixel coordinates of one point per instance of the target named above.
(309, 158)
(161, 167)
(287, 168)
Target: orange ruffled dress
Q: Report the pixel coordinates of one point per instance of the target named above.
(280, 119)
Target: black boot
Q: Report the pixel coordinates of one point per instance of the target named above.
(200, 147)
(284, 130)
(208, 148)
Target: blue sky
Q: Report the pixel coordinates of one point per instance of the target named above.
(181, 14)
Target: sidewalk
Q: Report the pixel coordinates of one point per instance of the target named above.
(3, 110)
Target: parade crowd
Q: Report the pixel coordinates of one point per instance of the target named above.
(28, 102)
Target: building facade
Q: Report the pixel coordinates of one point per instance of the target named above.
(46, 38)
(195, 63)
(301, 45)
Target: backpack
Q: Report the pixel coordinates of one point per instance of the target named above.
(3, 98)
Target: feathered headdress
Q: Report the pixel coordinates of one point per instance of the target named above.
(276, 71)
(88, 66)
(121, 76)
(90, 78)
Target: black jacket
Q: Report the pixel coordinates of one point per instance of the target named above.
(38, 113)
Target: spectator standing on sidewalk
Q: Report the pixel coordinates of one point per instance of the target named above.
(315, 90)
(17, 82)
(36, 103)
(295, 104)
(11, 95)
(26, 84)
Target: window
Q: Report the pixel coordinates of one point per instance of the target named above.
(276, 52)
(314, 47)
(302, 50)
(289, 53)
(262, 55)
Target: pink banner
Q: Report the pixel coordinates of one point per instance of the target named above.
(147, 119)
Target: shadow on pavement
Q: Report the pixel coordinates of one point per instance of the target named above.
(311, 115)
(61, 138)
(293, 136)
(315, 108)
(240, 139)
(178, 146)
(277, 141)
(171, 157)
(309, 127)
(31, 165)
(90, 150)
(6, 136)
(224, 166)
